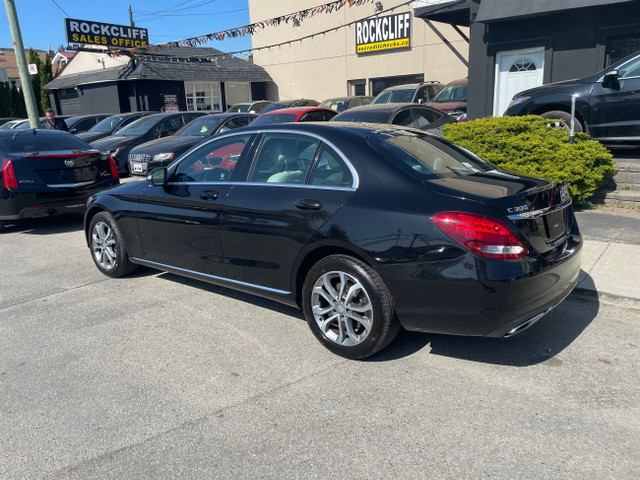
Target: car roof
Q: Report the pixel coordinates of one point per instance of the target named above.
(407, 86)
(384, 107)
(229, 115)
(38, 131)
(299, 110)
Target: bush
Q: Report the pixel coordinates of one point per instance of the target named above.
(526, 146)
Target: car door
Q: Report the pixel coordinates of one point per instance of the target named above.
(616, 108)
(294, 185)
(179, 222)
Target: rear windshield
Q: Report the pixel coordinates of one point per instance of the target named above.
(426, 157)
(27, 142)
(371, 116)
(274, 118)
(240, 107)
(274, 106)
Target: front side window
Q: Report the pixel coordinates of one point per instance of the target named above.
(630, 69)
(213, 162)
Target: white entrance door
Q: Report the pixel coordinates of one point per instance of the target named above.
(516, 71)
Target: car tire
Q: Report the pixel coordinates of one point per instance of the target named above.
(348, 307)
(107, 246)
(562, 120)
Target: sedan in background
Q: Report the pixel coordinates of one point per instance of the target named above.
(110, 125)
(248, 107)
(340, 104)
(10, 124)
(161, 152)
(49, 172)
(141, 131)
(405, 114)
(367, 228)
(297, 114)
(452, 99)
(301, 102)
(7, 119)
(83, 123)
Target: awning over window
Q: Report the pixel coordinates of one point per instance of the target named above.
(497, 10)
(454, 12)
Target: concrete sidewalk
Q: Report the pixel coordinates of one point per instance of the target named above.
(610, 258)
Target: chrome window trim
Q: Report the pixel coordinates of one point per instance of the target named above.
(70, 185)
(265, 184)
(165, 267)
(354, 173)
(539, 213)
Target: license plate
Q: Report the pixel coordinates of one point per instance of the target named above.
(554, 223)
(136, 167)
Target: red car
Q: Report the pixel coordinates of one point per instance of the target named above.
(296, 114)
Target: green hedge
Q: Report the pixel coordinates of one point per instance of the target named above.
(527, 146)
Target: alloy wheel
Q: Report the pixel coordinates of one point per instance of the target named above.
(103, 245)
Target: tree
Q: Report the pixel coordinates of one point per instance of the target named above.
(45, 77)
(35, 79)
(5, 101)
(18, 108)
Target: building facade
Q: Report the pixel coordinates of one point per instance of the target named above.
(166, 79)
(517, 45)
(330, 65)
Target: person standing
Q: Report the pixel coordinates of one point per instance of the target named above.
(53, 123)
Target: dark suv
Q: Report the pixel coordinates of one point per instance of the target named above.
(607, 105)
(409, 93)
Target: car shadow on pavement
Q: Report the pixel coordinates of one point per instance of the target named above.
(541, 343)
(68, 222)
(236, 295)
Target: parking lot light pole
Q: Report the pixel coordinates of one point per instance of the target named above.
(572, 132)
(25, 78)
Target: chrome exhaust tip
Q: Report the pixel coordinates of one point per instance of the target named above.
(524, 325)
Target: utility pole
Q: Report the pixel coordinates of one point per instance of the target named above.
(131, 24)
(25, 78)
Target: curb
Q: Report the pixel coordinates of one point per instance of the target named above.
(608, 298)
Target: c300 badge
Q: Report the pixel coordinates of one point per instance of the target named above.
(521, 208)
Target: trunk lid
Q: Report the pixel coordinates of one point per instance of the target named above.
(540, 211)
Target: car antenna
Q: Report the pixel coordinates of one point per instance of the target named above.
(21, 131)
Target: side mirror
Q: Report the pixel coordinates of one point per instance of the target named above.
(157, 177)
(610, 80)
(73, 130)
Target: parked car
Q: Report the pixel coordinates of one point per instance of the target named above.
(405, 114)
(7, 119)
(108, 126)
(49, 172)
(301, 102)
(162, 151)
(9, 125)
(365, 228)
(607, 103)
(340, 104)
(141, 131)
(25, 125)
(410, 92)
(452, 99)
(83, 123)
(296, 114)
(248, 107)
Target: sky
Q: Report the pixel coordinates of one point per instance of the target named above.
(42, 21)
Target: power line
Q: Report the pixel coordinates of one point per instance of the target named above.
(68, 16)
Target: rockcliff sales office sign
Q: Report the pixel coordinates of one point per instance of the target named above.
(105, 34)
(383, 33)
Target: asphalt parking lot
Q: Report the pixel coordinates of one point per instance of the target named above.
(157, 376)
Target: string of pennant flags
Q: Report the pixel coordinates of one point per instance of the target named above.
(293, 18)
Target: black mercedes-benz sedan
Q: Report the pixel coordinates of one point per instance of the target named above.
(365, 227)
(49, 172)
(162, 151)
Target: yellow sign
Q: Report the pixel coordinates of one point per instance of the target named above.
(373, 47)
(383, 33)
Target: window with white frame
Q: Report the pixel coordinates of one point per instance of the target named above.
(203, 96)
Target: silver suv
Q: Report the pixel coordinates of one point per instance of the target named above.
(409, 93)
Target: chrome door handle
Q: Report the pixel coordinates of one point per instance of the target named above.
(209, 195)
(308, 204)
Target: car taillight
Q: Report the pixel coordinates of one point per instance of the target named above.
(482, 235)
(114, 167)
(8, 174)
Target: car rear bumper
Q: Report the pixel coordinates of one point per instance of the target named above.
(16, 205)
(483, 298)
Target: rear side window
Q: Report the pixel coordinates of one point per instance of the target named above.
(27, 142)
(330, 170)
